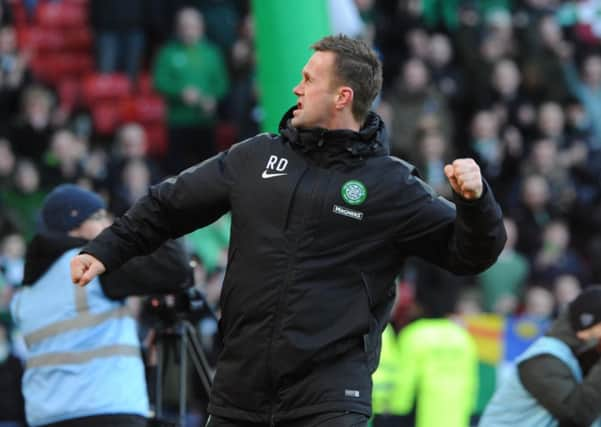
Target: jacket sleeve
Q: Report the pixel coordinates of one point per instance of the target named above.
(166, 270)
(464, 238)
(195, 198)
(552, 384)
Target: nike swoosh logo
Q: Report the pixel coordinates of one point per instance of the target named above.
(267, 175)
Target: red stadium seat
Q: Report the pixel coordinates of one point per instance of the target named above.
(105, 117)
(51, 68)
(105, 87)
(85, 63)
(69, 93)
(43, 68)
(147, 109)
(78, 38)
(41, 39)
(58, 14)
(145, 84)
(157, 140)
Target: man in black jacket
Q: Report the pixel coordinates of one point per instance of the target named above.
(322, 218)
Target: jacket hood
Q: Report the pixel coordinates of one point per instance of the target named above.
(43, 250)
(341, 146)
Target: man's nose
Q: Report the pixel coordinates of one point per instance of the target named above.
(297, 90)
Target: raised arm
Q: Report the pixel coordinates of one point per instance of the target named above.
(465, 237)
(193, 199)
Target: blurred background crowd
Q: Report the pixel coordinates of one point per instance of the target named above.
(114, 95)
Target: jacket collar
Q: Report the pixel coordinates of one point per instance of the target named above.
(345, 147)
(43, 250)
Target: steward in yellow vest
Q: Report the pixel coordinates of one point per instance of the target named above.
(429, 370)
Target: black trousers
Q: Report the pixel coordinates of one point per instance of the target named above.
(103, 421)
(330, 419)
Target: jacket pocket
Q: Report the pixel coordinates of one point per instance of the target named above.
(371, 340)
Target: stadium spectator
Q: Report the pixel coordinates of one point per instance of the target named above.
(130, 144)
(31, 131)
(13, 70)
(64, 159)
(532, 213)
(538, 303)
(134, 183)
(190, 72)
(433, 152)
(25, 197)
(221, 20)
(243, 108)
(427, 374)
(586, 86)
(566, 288)
(445, 75)
(556, 258)
(412, 101)
(502, 284)
(545, 160)
(7, 164)
(507, 99)
(119, 35)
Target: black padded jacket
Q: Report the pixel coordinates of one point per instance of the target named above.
(321, 223)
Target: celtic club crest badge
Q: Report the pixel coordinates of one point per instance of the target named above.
(353, 192)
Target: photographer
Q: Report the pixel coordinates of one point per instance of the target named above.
(83, 366)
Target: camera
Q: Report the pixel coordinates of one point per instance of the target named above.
(189, 304)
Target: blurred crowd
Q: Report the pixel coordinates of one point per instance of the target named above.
(516, 85)
(114, 95)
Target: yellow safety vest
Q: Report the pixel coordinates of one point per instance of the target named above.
(433, 364)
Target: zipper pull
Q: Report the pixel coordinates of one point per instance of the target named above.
(320, 142)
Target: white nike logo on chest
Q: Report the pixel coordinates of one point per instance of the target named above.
(267, 175)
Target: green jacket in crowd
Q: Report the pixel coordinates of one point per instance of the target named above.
(200, 66)
(430, 367)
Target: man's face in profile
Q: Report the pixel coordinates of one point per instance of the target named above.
(316, 92)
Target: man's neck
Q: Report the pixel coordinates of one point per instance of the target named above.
(344, 122)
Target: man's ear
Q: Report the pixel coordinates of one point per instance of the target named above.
(344, 97)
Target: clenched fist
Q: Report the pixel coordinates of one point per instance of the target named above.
(84, 268)
(465, 178)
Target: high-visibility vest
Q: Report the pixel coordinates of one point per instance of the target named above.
(433, 366)
(83, 352)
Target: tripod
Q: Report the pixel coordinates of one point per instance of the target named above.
(182, 339)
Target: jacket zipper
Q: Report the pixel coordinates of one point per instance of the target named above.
(280, 301)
